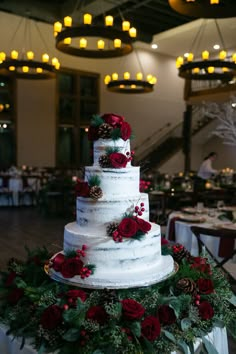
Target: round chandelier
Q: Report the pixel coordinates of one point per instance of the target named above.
(205, 8)
(125, 83)
(221, 67)
(94, 41)
(21, 62)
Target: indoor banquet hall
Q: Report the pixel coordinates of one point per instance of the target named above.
(118, 177)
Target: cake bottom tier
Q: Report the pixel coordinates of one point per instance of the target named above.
(147, 276)
(131, 263)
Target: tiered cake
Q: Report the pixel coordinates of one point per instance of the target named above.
(112, 219)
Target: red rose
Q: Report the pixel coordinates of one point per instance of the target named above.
(127, 227)
(93, 133)
(57, 262)
(199, 260)
(150, 328)
(164, 241)
(118, 160)
(10, 278)
(125, 131)
(166, 315)
(51, 317)
(71, 267)
(206, 311)
(15, 295)
(97, 314)
(203, 268)
(82, 188)
(113, 119)
(132, 310)
(143, 225)
(205, 286)
(75, 294)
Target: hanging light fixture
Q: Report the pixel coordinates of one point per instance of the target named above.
(193, 67)
(138, 84)
(21, 61)
(94, 41)
(205, 8)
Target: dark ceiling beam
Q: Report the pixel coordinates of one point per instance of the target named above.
(38, 10)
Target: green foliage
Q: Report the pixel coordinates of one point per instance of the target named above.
(94, 181)
(111, 149)
(118, 335)
(96, 120)
(115, 134)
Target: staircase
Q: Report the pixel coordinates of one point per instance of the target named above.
(164, 146)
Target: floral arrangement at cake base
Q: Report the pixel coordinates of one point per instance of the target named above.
(167, 316)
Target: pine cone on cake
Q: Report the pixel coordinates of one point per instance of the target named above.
(186, 285)
(104, 131)
(104, 161)
(111, 228)
(95, 192)
(179, 253)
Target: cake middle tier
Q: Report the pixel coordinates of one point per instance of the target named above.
(97, 214)
(116, 182)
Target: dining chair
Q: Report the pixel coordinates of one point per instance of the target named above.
(227, 245)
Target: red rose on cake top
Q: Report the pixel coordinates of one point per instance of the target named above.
(109, 126)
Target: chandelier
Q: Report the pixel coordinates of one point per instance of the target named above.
(21, 61)
(205, 8)
(128, 84)
(94, 41)
(221, 67)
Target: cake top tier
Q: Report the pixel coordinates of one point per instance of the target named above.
(109, 126)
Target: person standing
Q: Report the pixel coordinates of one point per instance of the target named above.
(206, 171)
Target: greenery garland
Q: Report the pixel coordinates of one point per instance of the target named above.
(157, 319)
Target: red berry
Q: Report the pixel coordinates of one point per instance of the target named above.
(142, 204)
(140, 213)
(65, 307)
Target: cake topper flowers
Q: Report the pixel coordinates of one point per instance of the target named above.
(131, 226)
(109, 126)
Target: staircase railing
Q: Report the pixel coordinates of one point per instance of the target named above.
(148, 145)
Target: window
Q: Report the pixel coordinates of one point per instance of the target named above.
(7, 126)
(78, 100)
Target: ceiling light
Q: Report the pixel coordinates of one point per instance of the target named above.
(128, 83)
(21, 61)
(205, 68)
(94, 41)
(216, 46)
(205, 8)
(154, 46)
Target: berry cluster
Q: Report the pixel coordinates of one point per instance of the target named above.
(85, 272)
(82, 251)
(139, 209)
(130, 155)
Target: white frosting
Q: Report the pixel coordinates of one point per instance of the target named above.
(100, 146)
(116, 182)
(93, 215)
(124, 264)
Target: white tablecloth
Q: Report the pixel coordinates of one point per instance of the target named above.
(184, 235)
(218, 337)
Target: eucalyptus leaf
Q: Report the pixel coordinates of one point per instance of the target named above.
(169, 335)
(183, 346)
(72, 335)
(186, 323)
(232, 300)
(41, 349)
(209, 346)
(135, 328)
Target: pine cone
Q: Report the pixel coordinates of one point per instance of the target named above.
(179, 253)
(104, 161)
(95, 192)
(111, 228)
(104, 131)
(108, 296)
(186, 285)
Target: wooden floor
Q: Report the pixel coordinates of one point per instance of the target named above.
(22, 227)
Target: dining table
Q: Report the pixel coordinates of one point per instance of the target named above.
(179, 227)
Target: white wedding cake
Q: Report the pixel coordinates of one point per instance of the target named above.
(112, 218)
